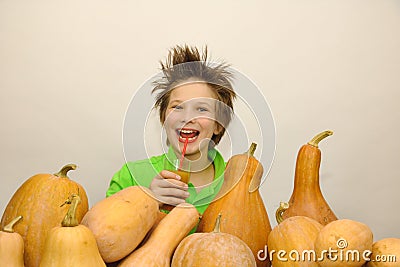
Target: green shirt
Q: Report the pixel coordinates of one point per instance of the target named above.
(142, 172)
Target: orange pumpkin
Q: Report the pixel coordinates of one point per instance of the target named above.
(71, 244)
(121, 221)
(38, 200)
(213, 249)
(349, 238)
(158, 249)
(294, 236)
(385, 253)
(240, 203)
(11, 246)
(307, 199)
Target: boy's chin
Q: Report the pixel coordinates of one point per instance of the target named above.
(192, 148)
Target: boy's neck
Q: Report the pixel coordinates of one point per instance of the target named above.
(197, 164)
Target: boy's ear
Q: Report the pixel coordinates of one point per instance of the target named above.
(218, 128)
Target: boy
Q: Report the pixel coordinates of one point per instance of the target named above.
(195, 103)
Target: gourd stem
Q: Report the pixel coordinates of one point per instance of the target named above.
(9, 227)
(251, 150)
(217, 227)
(315, 141)
(70, 218)
(63, 172)
(279, 212)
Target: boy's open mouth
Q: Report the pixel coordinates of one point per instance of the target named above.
(190, 134)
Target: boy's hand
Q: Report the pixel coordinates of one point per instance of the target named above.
(168, 189)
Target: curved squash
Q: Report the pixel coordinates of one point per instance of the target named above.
(11, 246)
(240, 203)
(121, 221)
(71, 244)
(307, 199)
(160, 217)
(38, 200)
(158, 249)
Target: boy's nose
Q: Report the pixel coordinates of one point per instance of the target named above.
(188, 116)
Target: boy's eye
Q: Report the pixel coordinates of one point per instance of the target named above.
(202, 109)
(176, 107)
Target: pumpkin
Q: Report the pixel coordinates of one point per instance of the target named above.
(349, 238)
(71, 244)
(213, 249)
(385, 253)
(290, 241)
(240, 203)
(38, 200)
(158, 249)
(121, 221)
(307, 199)
(11, 246)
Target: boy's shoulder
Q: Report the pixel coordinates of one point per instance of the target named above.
(153, 160)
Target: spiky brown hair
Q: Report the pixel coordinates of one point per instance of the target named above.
(185, 63)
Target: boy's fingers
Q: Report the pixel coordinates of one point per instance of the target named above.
(177, 184)
(172, 192)
(169, 175)
(172, 200)
(172, 183)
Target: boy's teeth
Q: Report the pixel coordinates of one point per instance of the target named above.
(190, 138)
(188, 134)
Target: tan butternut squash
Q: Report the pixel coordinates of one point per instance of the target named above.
(38, 200)
(71, 244)
(121, 221)
(158, 249)
(11, 246)
(307, 199)
(160, 217)
(239, 201)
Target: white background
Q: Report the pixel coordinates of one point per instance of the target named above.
(68, 71)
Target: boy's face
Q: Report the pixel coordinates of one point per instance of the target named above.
(190, 115)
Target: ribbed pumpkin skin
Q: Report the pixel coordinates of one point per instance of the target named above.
(307, 199)
(158, 249)
(121, 221)
(243, 212)
(357, 235)
(213, 249)
(71, 246)
(385, 247)
(38, 200)
(296, 233)
(11, 250)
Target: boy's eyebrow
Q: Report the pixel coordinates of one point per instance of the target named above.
(204, 103)
(175, 101)
(178, 101)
